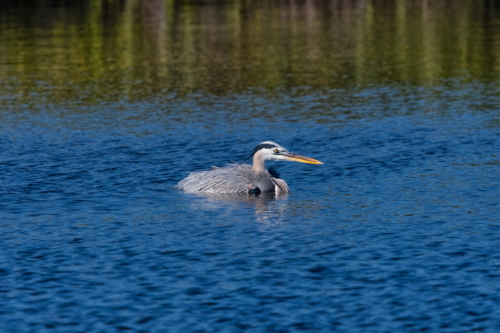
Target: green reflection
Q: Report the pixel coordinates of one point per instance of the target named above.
(105, 50)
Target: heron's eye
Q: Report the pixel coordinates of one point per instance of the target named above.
(276, 151)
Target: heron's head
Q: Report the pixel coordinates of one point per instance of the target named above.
(269, 150)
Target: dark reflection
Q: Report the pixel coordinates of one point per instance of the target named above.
(268, 207)
(94, 51)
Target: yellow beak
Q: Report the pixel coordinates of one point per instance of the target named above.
(300, 158)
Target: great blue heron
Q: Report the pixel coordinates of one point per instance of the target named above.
(244, 178)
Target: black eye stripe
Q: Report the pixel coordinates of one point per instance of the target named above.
(262, 146)
(265, 145)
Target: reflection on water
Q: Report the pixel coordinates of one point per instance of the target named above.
(98, 50)
(105, 105)
(267, 207)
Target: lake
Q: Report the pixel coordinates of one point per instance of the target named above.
(106, 105)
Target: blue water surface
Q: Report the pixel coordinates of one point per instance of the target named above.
(398, 231)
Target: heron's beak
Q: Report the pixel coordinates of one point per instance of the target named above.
(300, 158)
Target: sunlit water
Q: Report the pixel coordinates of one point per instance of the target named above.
(397, 231)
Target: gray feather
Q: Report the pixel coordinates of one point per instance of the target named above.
(234, 178)
(280, 186)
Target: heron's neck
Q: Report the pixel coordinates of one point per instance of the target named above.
(258, 163)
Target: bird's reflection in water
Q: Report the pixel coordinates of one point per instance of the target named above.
(268, 207)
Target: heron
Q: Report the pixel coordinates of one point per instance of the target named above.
(244, 178)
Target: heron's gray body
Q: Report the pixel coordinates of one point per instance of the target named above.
(244, 178)
(233, 178)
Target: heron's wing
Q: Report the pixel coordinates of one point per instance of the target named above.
(230, 179)
(281, 186)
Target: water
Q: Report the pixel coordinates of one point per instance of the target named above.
(397, 232)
